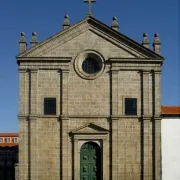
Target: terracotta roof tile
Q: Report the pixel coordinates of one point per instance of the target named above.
(9, 135)
(170, 110)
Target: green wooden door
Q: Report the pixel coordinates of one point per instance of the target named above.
(90, 162)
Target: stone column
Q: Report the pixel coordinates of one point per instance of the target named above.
(76, 160)
(147, 149)
(64, 92)
(65, 148)
(105, 159)
(23, 148)
(146, 93)
(114, 123)
(114, 91)
(22, 91)
(16, 171)
(33, 148)
(23, 125)
(34, 84)
(156, 125)
(157, 84)
(64, 123)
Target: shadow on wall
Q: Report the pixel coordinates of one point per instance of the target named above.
(8, 159)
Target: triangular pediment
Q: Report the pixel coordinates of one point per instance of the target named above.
(86, 34)
(89, 129)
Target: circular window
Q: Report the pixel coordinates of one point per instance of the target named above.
(89, 64)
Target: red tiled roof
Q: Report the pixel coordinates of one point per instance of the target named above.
(9, 135)
(170, 110)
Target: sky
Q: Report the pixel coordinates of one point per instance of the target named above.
(45, 17)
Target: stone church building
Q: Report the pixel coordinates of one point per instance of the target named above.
(89, 105)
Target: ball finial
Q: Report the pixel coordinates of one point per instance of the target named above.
(114, 18)
(22, 34)
(66, 16)
(145, 34)
(156, 35)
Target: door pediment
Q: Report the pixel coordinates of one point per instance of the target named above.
(90, 129)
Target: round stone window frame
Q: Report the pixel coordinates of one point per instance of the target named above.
(83, 56)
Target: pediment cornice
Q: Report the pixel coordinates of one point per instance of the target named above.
(91, 24)
(89, 128)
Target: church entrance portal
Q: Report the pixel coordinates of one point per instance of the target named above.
(90, 162)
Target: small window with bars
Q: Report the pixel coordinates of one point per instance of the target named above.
(130, 106)
(1, 140)
(8, 140)
(49, 106)
(15, 140)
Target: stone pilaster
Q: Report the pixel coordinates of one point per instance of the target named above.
(146, 93)
(147, 147)
(33, 148)
(64, 92)
(114, 91)
(65, 140)
(114, 149)
(17, 171)
(23, 125)
(64, 125)
(23, 148)
(33, 90)
(114, 122)
(157, 84)
(22, 91)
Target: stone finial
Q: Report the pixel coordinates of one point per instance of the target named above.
(115, 24)
(145, 41)
(34, 39)
(66, 22)
(156, 44)
(22, 43)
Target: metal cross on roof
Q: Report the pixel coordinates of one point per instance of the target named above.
(89, 8)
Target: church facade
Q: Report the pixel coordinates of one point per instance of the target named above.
(89, 105)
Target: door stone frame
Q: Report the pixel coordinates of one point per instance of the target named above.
(104, 153)
(90, 133)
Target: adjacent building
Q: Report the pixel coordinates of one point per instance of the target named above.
(8, 155)
(170, 142)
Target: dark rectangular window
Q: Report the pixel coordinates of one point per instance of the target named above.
(130, 106)
(49, 106)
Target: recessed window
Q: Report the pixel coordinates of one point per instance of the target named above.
(8, 140)
(49, 106)
(130, 106)
(1, 140)
(15, 140)
(91, 66)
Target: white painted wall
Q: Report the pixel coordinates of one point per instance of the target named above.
(170, 129)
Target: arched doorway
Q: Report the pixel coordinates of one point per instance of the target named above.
(90, 162)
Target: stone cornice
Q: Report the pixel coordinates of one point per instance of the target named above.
(135, 60)
(67, 117)
(45, 59)
(84, 116)
(27, 117)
